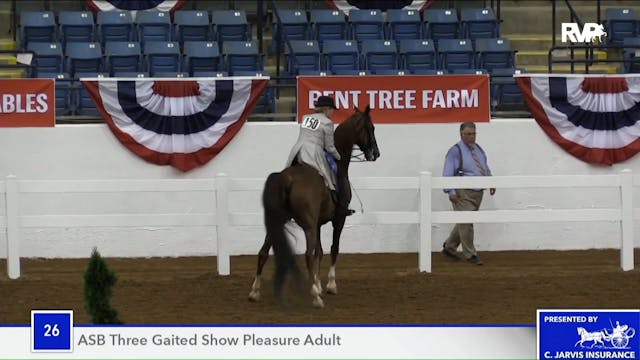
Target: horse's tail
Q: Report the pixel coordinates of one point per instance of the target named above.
(276, 214)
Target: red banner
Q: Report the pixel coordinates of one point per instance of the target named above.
(27, 103)
(401, 99)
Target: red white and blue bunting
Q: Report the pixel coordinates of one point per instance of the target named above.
(594, 118)
(348, 5)
(135, 5)
(183, 123)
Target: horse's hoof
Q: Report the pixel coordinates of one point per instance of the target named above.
(315, 290)
(254, 296)
(332, 288)
(318, 303)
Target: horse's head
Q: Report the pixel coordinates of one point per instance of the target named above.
(365, 134)
(581, 330)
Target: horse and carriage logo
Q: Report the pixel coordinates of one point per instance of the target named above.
(618, 338)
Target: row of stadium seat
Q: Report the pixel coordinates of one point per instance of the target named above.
(395, 24)
(156, 56)
(412, 55)
(187, 25)
(336, 55)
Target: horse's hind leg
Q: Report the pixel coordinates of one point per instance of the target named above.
(338, 225)
(263, 256)
(313, 238)
(319, 254)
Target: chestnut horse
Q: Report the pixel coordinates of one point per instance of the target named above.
(299, 193)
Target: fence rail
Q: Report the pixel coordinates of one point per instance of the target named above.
(223, 219)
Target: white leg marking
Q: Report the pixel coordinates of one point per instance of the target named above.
(332, 287)
(254, 295)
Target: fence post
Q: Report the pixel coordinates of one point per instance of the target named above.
(626, 223)
(222, 227)
(424, 245)
(12, 204)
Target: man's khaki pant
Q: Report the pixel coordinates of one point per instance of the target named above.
(463, 233)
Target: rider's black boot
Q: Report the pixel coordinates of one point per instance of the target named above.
(341, 208)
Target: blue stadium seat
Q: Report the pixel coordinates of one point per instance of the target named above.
(431, 72)
(314, 72)
(192, 25)
(328, 25)
(340, 55)
(305, 56)
(267, 102)
(153, 26)
(84, 104)
(379, 54)
(479, 23)
(631, 47)
(131, 74)
(456, 54)
(366, 24)
(84, 57)
(230, 25)
(505, 93)
(242, 56)
(64, 92)
(392, 72)
(37, 26)
(210, 74)
(162, 56)
(620, 23)
(292, 25)
(121, 56)
(351, 72)
(201, 56)
(403, 24)
(469, 71)
(48, 58)
(115, 26)
(418, 55)
(76, 26)
(440, 24)
(170, 74)
(495, 53)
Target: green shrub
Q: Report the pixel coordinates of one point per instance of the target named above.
(98, 280)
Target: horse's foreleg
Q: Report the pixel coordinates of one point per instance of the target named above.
(338, 225)
(263, 256)
(313, 237)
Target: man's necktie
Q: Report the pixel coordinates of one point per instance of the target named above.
(477, 160)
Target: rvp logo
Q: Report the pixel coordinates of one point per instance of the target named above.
(591, 33)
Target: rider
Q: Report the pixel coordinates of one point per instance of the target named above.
(620, 329)
(316, 137)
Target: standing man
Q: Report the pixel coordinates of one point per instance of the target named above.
(465, 158)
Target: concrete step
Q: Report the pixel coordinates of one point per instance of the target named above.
(566, 69)
(541, 57)
(6, 59)
(12, 73)
(7, 44)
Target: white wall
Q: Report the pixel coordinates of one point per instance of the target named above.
(514, 147)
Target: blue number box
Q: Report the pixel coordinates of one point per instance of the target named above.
(51, 330)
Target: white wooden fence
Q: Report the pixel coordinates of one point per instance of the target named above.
(223, 219)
